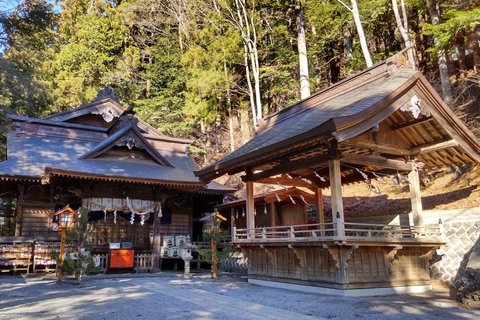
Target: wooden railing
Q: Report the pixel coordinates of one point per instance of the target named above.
(329, 232)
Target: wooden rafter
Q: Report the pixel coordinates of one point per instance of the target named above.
(411, 123)
(434, 146)
(379, 147)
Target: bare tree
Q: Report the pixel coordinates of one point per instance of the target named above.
(403, 28)
(243, 20)
(434, 10)
(302, 55)
(361, 34)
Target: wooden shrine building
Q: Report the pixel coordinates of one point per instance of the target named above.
(137, 184)
(386, 120)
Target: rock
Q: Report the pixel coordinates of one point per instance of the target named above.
(469, 287)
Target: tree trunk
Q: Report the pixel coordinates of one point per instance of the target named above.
(403, 28)
(348, 45)
(229, 107)
(361, 35)
(460, 41)
(434, 10)
(302, 55)
(476, 50)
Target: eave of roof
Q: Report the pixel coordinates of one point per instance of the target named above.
(49, 172)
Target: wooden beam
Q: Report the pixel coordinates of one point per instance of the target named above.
(283, 180)
(337, 200)
(379, 147)
(411, 123)
(376, 162)
(287, 167)
(435, 146)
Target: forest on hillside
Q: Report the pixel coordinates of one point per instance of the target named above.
(210, 69)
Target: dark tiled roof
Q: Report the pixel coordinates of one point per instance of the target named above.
(314, 114)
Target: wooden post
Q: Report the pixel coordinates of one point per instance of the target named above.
(62, 252)
(157, 245)
(19, 217)
(416, 198)
(232, 223)
(250, 210)
(319, 208)
(214, 258)
(273, 214)
(337, 201)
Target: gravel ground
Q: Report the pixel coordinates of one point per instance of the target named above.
(170, 296)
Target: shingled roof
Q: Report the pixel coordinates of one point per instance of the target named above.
(389, 100)
(77, 143)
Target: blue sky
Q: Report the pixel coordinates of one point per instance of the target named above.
(10, 5)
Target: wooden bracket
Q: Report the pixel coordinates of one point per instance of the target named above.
(392, 255)
(270, 254)
(348, 254)
(300, 254)
(335, 255)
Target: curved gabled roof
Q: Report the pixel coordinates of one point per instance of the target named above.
(379, 100)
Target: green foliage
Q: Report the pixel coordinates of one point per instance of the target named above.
(182, 62)
(77, 245)
(218, 235)
(456, 24)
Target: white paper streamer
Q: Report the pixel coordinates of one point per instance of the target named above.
(303, 199)
(291, 199)
(132, 217)
(115, 217)
(320, 177)
(278, 198)
(363, 174)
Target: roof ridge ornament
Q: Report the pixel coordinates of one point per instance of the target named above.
(107, 93)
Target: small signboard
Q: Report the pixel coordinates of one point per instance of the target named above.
(121, 258)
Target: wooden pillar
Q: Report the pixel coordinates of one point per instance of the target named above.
(319, 209)
(273, 215)
(232, 223)
(337, 201)
(416, 198)
(19, 213)
(157, 245)
(250, 210)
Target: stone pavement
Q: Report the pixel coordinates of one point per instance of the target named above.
(168, 295)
